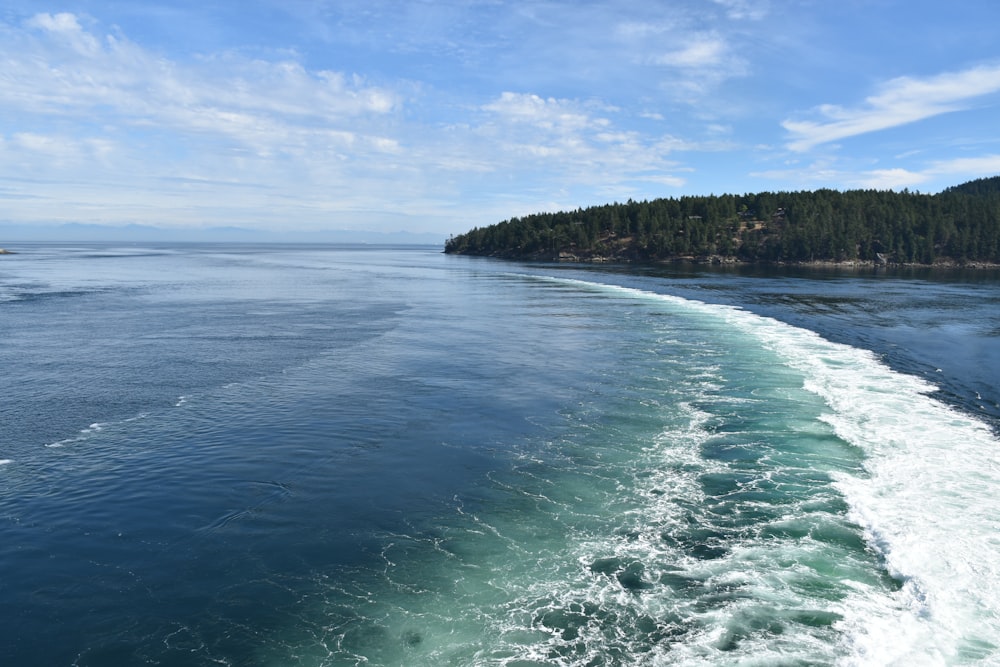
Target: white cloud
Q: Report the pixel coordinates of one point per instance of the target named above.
(57, 151)
(547, 126)
(167, 137)
(550, 114)
(984, 165)
(703, 52)
(638, 30)
(703, 62)
(65, 28)
(669, 181)
(941, 172)
(243, 99)
(901, 101)
(571, 144)
(38, 143)
(888, 179)
(956, 169)
(126, 122)
(739, 10)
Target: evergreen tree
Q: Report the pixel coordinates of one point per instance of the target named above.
(960, 224)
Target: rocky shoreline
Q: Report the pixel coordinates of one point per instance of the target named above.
(728, 260)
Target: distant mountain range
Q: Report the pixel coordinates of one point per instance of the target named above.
(12, 233)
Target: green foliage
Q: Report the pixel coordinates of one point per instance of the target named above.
(961, 224)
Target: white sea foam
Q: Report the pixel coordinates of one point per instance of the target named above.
(926, 502)
(4, 462)
(83, 434)
(94, 429)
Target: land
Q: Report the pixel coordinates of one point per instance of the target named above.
(959, 227)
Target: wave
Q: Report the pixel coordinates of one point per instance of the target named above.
(21, 296)
(94, 429)
(83, 434)
(924, 497)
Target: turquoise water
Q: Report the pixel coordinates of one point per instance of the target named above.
(387, 456)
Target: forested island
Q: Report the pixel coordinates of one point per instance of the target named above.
(959, 226)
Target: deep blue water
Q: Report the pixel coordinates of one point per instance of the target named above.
(323, 455)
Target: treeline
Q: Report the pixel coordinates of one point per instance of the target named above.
(960, 224)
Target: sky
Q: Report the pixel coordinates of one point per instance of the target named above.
(438, 116)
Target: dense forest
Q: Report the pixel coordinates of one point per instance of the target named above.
(960, 225)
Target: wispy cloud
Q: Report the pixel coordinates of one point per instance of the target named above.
(948, 172)
(101, 109)
(547, 113)
(702, 62)
(580, 136)
(337, 113)
(739, 10)
(59, 151)
(901, 101)
(699, 52)
(66, 71)
(151, 135)
(955, 170)
(67, 29)
(967, 166)
(887, 179)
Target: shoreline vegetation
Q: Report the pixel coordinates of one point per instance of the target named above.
(958, 228)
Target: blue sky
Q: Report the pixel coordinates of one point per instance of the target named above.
(439, 116)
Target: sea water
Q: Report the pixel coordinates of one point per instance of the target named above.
(323, 455)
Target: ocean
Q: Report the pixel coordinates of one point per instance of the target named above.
(371, 455)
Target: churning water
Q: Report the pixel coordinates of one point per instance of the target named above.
(333, 455)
